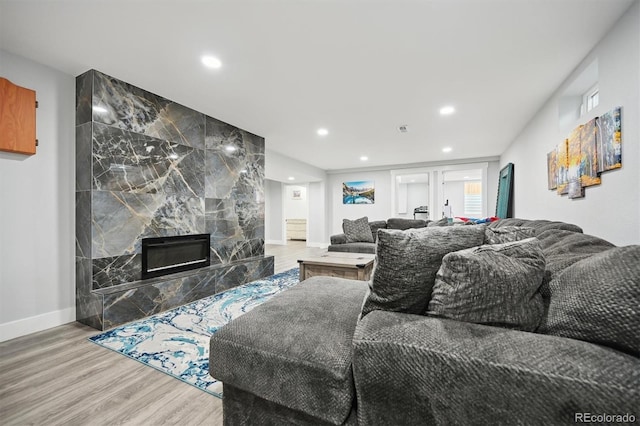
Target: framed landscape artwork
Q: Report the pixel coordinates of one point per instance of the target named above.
(358, 192)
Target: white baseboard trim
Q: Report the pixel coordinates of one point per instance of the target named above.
(276, 242)
(22, 327)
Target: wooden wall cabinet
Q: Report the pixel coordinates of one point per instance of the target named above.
(17, 118)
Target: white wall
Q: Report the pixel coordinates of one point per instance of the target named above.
(612, 209)
(415, 195)
(454, 192)
(380, 210)
(296, 208)
(37, 213)
(273, 204)
(318, 219)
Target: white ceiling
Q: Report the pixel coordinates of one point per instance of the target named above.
(359, 68)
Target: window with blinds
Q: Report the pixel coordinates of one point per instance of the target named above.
(473, 199)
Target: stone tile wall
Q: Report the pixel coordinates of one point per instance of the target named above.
(149, 167)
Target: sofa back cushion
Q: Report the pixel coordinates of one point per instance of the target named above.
(357, 231)
(597, 300)
(407, 262)
(492, 284)
(538, 225)
(564, 248)
(402, 223)
(375, 225)
(506, 234)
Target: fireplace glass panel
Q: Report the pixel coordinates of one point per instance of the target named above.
(161, 256)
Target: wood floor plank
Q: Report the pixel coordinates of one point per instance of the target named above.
(58, 377)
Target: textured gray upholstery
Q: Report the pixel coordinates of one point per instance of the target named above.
(338, 239)
(354, 248)
(403, 223)
(440, 222)
(295, 349)
(242, 408)
(407, 262)
(564, 248)
(357, 231)
(506, 234)
(302, 357)
(375, 225)
(538, 225)
(416, 370)
(339, 242)
(598, 300)
(492, 284)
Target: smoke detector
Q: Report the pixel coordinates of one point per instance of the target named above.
(403, 128)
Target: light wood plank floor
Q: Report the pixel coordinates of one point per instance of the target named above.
(58, 377)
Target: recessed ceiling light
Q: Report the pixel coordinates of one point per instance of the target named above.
(364, 158)
(447, 149)
(100, 109)
(447, 110)
(211, 61)
(291, 178)
(323, 132)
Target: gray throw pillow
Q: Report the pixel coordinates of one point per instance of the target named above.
(506, 234)
(357, 231)
(492, 284)
(598, 300)
(407, 262)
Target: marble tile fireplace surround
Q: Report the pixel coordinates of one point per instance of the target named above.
(149, 168)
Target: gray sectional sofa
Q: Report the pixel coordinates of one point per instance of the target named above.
(557, 340)
(342, 243)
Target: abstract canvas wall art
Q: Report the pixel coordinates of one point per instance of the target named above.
(609, 133)
(591, 149)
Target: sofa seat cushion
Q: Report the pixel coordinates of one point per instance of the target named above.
(407, 262)
(493, 284)
(417, 370)
(295, 349)
(598, 300)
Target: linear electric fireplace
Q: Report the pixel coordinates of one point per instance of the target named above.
(167, 255)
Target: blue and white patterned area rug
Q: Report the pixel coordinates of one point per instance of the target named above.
(176, 342)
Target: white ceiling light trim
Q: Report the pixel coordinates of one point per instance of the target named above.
(322, 132)
(447, 149)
